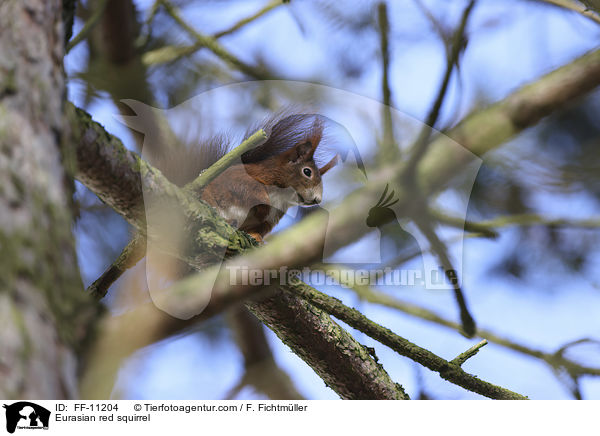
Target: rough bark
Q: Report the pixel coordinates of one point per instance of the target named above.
(44, 315)
(344, 365)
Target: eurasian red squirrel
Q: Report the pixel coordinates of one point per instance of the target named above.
(252, 195)
(255, 194)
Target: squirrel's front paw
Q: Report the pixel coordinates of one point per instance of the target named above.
(257, 236)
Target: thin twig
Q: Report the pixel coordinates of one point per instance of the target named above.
(465, 355)
(169, 53)
(447, 370)
(421, 144)
(442, 32)
(88, 26)
(422, 218)
(461, 223)
(226, 161)
(425, 225)
(143, 39)
(133, 252)
(555, 360)
(213, 45)
(535, 219)
(402, 259)
(244, 21)
(421, 215)
(172, 52)
(389, 150)
(489, 228)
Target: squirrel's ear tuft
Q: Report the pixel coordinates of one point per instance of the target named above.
(305, 150)
(301, 152)
(333, 162)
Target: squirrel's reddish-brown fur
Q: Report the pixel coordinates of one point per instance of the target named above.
(254, 194)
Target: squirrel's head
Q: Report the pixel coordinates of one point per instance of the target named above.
(287, 159)
(300, 172)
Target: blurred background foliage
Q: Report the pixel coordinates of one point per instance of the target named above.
(537, 282)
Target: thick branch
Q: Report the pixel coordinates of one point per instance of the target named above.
(318, 340)
(485, 130)
(109, 170)
(106, 167)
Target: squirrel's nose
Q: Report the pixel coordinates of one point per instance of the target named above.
(307, 202)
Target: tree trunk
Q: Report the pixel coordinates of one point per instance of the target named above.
(44, 314)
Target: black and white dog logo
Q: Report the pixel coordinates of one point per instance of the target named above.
(26, 415)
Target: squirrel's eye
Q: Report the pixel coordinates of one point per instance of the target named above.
(307, 172)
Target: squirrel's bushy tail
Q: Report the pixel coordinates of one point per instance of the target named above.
(182, 164)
